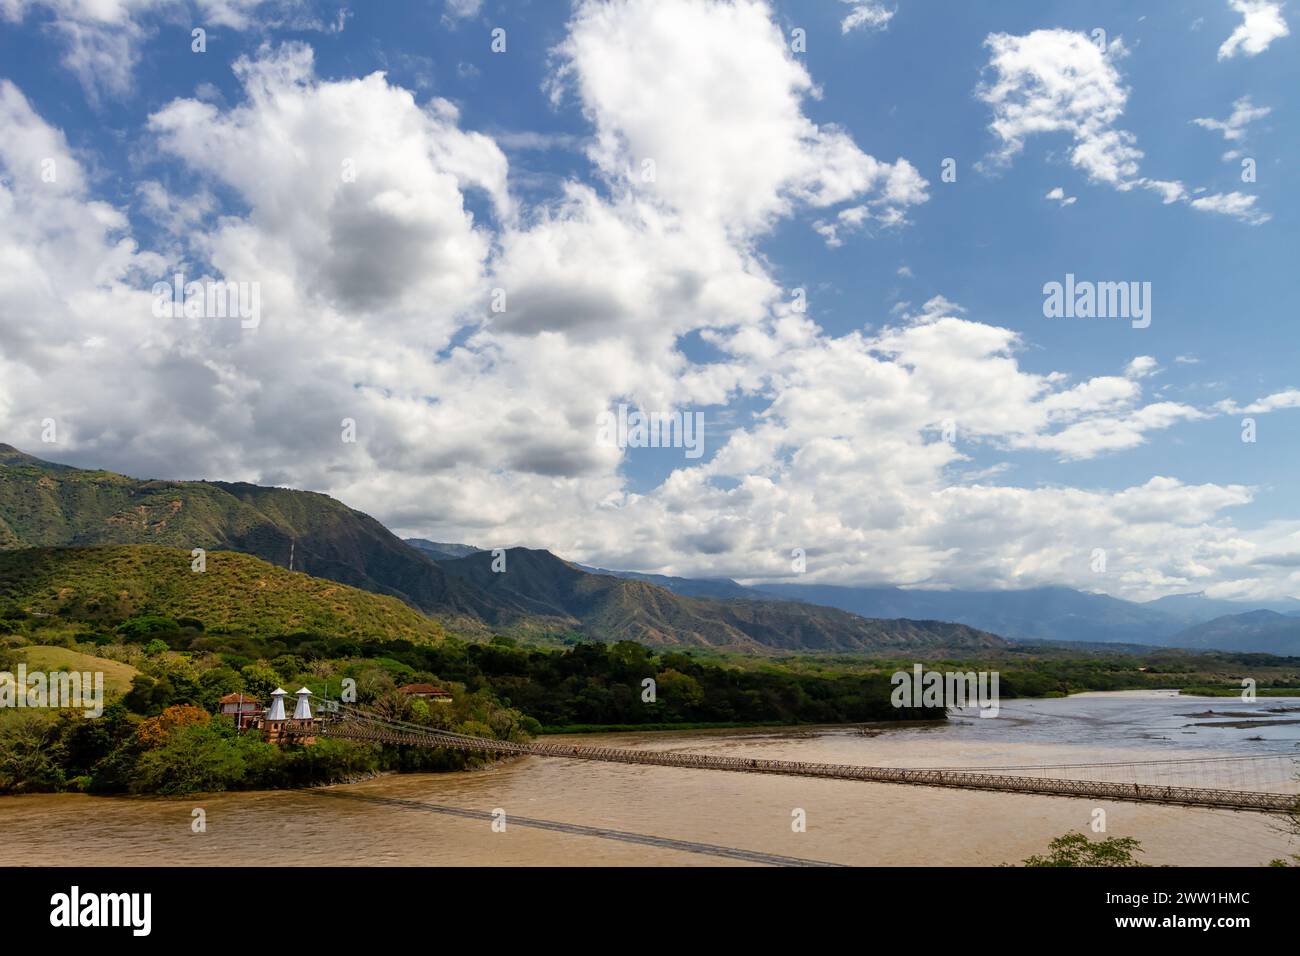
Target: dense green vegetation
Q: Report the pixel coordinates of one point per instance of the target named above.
(159, 737)
(1047, 671)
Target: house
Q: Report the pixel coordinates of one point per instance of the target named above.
(426, 692)
(244, 708)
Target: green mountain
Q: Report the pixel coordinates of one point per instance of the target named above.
(236, 593)
(49, 505)
(44, 505)
(537, 585)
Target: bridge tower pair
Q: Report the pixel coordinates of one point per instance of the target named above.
(300, 728)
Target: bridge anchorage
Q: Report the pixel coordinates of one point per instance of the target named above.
(350, 722)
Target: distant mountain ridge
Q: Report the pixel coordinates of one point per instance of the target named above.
(548, 588)
(440, 551)
(1266, 631)
(723, 588)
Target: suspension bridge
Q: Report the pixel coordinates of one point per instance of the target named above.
(1264, 782)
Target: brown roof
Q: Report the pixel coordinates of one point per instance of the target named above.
(237, 698)
(423, 689)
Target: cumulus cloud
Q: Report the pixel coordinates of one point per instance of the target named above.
(1261, 23)
(720, 135)
(1060, 81)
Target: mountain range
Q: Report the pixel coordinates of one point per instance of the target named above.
(45, 505)
(1037, 614)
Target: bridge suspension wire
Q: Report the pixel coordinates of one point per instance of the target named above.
(350, 722)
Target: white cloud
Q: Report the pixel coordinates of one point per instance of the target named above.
(869, 15)
(1170, 191)
(1244, 112)
(720, 134)
(1235, 204)
(102, 38)
(1289, 398)
(1059, 81)
(1261, 23)
(1058, 194)
(1141, 367)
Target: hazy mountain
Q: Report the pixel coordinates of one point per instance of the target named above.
(691, 587)
(441, 551)
(539, 584)
(1197, 608)
(1262, 631)
(1059, 614)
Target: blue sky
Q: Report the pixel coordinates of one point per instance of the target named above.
(477, 428)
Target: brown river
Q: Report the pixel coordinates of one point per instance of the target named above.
(561, 812)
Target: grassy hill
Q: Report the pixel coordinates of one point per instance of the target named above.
(49, 505)
(117, 675)
(237, 593)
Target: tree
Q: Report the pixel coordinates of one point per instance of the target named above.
(31, 752)
(1075, 849)
(156, 730)
(260, 680)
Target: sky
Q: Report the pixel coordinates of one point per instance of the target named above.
(467, 229)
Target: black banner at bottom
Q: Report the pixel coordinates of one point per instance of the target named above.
(342, 905)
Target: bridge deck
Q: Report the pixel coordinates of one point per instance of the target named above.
(410, 735)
